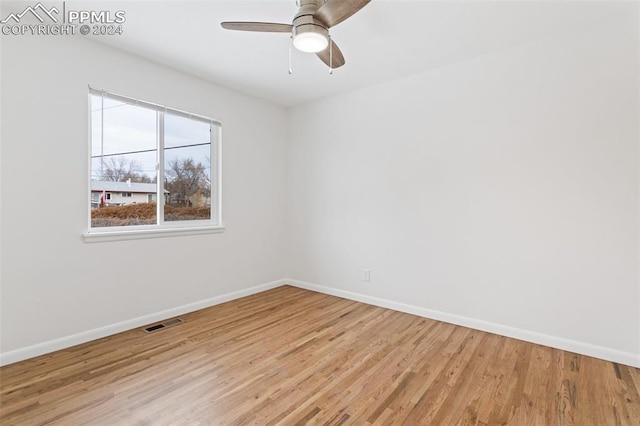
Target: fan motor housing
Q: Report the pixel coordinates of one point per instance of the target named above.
(304, 17)
(305, 24)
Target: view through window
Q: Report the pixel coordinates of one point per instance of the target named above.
(151, 166)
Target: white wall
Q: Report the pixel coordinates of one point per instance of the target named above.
(501, 191)
(50, 287)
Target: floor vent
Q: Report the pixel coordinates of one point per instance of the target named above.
(165, 324)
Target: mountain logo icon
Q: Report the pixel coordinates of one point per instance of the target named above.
(38, 10)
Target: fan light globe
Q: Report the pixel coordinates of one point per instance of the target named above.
(310, 41)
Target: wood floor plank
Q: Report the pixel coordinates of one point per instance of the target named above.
(290, 356)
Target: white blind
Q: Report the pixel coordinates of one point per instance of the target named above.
(150, 105)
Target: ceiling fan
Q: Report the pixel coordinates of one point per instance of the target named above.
(310, 27)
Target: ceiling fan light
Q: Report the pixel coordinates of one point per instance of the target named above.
(310, 39)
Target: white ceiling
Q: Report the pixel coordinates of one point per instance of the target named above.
(384, 41)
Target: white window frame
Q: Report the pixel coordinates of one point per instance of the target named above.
(161, 228)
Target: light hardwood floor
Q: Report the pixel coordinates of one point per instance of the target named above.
(291, 356)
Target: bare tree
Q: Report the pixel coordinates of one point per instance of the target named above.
(186, 178)
(119, 169)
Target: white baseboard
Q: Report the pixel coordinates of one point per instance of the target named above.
(627, 358)
(97, 333)
(601, 352)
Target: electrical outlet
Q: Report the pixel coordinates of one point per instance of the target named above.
(366, 275)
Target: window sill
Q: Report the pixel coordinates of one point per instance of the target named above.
(138, 234)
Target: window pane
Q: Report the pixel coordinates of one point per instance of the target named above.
(123, 163)
(187, 169)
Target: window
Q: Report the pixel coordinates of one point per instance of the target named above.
(162, 167)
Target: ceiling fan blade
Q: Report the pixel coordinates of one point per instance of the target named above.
(264, 27)
(335, 11)
(333, 52)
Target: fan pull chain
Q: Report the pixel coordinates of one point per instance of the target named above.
(290, 66)
(330, 56)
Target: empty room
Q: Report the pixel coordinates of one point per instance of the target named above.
(331, 212)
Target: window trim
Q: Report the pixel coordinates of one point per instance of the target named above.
(140, 233)
(161, 228)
